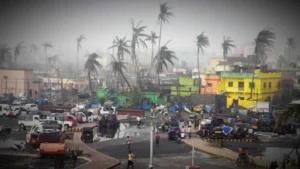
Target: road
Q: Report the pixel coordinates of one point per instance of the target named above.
(168, 154)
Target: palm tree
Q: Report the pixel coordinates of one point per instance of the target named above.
(226, 46)
(263, 43)
(118, 67)
(163, 17)
(5, 55)
(122, 47)
(163, 57)
(152, 39)
(91, 65)
(79, 39)
(17, 52)
(33, 50)
(202, 41)
(137, 39)
(291, 43)
(47, 45)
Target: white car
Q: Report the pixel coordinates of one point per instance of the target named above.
(40, 127)
(65, 120)
(31, 107)
(26, 121)
(6, 111)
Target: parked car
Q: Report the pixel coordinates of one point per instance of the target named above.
(31, 107)
(37, 138)
(6, 111)
(65, 120)
(108, 108)
(26, 121)
(41, 128)
(80, 116)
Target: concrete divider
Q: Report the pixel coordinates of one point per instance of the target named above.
(206, 147)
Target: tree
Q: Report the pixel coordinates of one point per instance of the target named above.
(263, 43)
(152, 39)
(47, 45)
(202, 42)
(163, 57)
(291, 43)
(122, 47)
(184, 64)
(118, 67)
(78, 40)
(5, 55)
(226, 46)
(137, 39)
(17, 51)
(163, 17)
(33, 50)
(91, 65)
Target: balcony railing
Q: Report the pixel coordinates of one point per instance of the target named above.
(237, 75)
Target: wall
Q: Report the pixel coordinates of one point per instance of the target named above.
(214, 80)
(18, 81)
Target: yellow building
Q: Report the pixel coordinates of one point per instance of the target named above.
(237, 87)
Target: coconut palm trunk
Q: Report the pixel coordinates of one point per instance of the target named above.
(46, 63)
(151, 64)
(160, 30)
(198, 67)
(90, 82)
(122, 74)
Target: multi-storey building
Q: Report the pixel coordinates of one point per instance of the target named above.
(240, 91)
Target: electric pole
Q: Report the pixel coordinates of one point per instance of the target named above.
(151, 146)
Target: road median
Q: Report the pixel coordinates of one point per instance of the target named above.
(208, 148)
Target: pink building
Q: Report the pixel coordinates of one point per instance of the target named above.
(211, 86)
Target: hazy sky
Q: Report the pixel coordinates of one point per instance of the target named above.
(61, 21)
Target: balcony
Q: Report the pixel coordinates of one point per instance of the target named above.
(240, 89)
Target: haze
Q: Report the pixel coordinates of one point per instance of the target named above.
(61, 22)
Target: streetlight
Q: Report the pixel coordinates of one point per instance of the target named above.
(151, 146)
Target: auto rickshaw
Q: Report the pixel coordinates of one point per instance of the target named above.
(164, 127)
(87, 134)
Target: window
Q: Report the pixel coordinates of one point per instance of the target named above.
(251, 85)
(270, 84)
(265, 85)
(230, 84)
(209, 84)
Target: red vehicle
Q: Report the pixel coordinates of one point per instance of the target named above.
(37, 138)
(71, 119)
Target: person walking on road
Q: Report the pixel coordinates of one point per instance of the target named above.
(128, 142)
(139, 121)
(130, 160)
(189, 131)
(157, 138)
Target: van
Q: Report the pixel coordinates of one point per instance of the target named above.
(26, 121)
(6, 111)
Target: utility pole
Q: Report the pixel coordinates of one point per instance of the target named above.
(193, 153)
(5, 77)
(151, 146)
(16, 85)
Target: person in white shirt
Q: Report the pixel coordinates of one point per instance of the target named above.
(189, 132)
(128, 142)
(139, 121)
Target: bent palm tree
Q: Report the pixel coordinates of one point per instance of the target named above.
(17, 51)
(137, 39)
(163, 17)
(263, 43)
(291, 43)
(118, 67)
(227, 45)
(33, 50)
(152, 39)
(78, 40)
(5, 55)
(122, 47)
(202, 41)
(91, 65)
(163, 57)
(46, 46)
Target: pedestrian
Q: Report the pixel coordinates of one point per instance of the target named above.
(201, 114)
(130, 160)
(151, 111)
(139, 121)
(128, 142)
(157, 138)
(189, 131)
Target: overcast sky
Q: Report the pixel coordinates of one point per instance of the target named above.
(100, 21)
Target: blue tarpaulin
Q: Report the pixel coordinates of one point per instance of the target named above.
(226, 130)
(94, 106)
